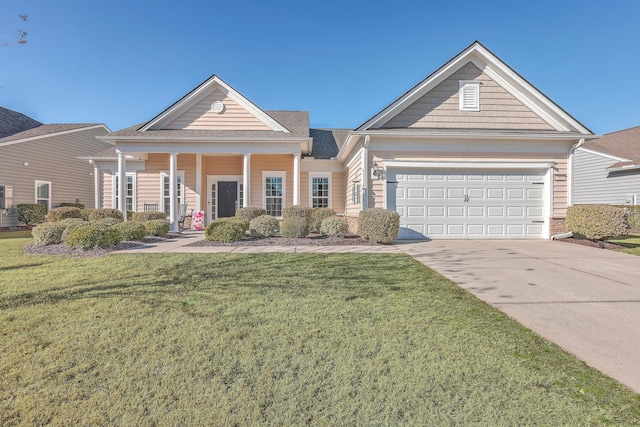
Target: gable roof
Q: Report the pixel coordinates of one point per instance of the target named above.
(202, 90)
(499, 71)
(623, 144)
(12, 122)
(43, 131)
(327, 142)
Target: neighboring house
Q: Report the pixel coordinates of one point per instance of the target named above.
(38, 163)
(607, 169)
(472, 151)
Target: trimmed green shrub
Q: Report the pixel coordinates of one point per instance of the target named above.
(597, 222)
(244, 223)
(129, 214)
(264, 226)
(58, 214)
(297, 211)
(69, 225)
(334, 226)
(111, 221)
(93, 235)
(98, 214)
(73, 205)
(48, 233)
(131, 230)
(225, 230)
(86, 213)
(379, 225)
(318, 215)
(633, 217)
(294, 227)
(147, 216)
(31, 213)
(249, 213)
(157, 227)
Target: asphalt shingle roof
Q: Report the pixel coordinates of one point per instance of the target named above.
(43, 130)
(12, 122)
(624, 143)
(327, 142)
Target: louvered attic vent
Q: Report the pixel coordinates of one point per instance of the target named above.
(469, 95)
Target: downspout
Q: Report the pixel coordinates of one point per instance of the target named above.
(365, 175)
(572, 150)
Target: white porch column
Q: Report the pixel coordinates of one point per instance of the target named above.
(96, 186)
(173, 176)
(122, 183)
(198, 181)
(246, 182)
(296, 179)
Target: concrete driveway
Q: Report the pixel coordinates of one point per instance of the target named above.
(586, 300)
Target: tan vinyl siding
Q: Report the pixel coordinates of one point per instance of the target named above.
(377, 186)
(222, 165)
(304, 188)
(440, 107)
(275, 163)
(149, 182)
(353, 173)
(338, 192)
(107, 198)
(51, 159)
(201, 116)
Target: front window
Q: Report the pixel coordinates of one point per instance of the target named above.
(274, 191)
(166, 199)
(43, 193)
(128, 193)
(320, 191)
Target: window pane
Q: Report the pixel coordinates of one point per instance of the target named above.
(43, 191)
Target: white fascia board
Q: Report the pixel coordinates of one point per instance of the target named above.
(112, 165)
(467, 165)
(600, 153)
(207, 147)
(320, 165)
(203, 90)
(479, 135)
(352, 141)
(49, 135)
(356, 156)
(624, 168)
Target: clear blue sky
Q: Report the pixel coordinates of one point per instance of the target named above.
(122, 62)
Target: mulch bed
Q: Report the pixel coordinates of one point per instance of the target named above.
(311, 240)
(585, 242)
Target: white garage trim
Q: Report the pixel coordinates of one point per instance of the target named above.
(467, 165)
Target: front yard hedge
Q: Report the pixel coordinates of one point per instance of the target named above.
(334, 226)
(318, 215)
(98, 214)
(225, 230)
(64, 212)
(93, 235)
(379, 225)
(157, 227)
(147, 216)
(249, 213)
(297, 211)
(264, 226)
(74, 205)
(294, 227)
(48, 233)
(31, 213)
(131, 230)
(597, 222)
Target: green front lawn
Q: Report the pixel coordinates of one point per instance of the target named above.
(278, 339)
(630, 242)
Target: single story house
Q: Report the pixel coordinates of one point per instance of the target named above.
(39, 164)
(472, 151)
(607, 169)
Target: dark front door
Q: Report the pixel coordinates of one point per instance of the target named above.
(227, 198)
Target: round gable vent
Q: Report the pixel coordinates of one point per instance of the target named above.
(217, 107)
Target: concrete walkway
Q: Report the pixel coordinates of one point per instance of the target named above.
(586, 300)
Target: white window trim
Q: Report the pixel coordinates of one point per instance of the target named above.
(38, 182)
(181, 197)
(114, 201)
(320, 175)
(469, 85)
(274, 174)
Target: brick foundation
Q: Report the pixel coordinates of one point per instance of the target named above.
(556, 225)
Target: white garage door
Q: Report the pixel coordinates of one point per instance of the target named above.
(456, 204)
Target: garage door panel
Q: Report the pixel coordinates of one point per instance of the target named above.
(469, 204)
